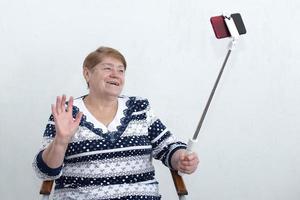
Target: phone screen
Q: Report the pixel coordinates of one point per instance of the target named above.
(237, 18)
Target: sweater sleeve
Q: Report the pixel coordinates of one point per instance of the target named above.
(42, 170)
(163, 142)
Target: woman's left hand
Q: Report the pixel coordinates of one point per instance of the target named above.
(184, 162)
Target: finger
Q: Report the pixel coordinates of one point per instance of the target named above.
(78, 118)
(53, 109)
(185, 170)
(185, 157)
(192, 156)
(185, 163)
(190, 165)
(70, 104)
(182, 156)
(58, 103)
(188, 169)
(192, 160)
(63, 102)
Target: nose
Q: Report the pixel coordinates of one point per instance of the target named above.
(114, 73)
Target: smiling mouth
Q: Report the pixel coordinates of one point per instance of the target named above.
(113, 83)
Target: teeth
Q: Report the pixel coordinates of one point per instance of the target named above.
(113, 83)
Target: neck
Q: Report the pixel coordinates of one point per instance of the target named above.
(100, 102)
(103, 109)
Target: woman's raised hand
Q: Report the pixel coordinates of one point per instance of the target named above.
(65, 124)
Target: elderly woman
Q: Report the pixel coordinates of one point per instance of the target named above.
(100, 145)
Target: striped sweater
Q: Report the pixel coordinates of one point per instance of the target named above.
(111, 162)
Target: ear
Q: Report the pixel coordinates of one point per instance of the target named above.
(86, 74)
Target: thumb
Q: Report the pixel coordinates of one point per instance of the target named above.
(182, 156)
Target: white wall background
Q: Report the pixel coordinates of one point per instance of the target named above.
(249, 144)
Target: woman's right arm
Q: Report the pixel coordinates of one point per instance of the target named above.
(49, 161)
(65, 127)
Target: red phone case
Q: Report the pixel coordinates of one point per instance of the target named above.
(219, 27)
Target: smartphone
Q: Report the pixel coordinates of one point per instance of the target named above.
(220, 27)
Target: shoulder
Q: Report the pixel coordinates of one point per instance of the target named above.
(135, 103)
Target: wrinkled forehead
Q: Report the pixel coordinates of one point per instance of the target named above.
(113, 60)
(109, 63)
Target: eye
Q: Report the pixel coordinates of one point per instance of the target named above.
(107, 68)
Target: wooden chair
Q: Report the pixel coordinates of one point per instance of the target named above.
(178, 182)
(46, 189)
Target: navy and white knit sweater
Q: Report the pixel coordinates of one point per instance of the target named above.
(113, 162)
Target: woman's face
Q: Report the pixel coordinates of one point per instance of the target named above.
(106, 78)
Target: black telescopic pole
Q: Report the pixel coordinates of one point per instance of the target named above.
(211, 96)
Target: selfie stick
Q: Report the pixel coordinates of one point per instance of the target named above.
(234, 35)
